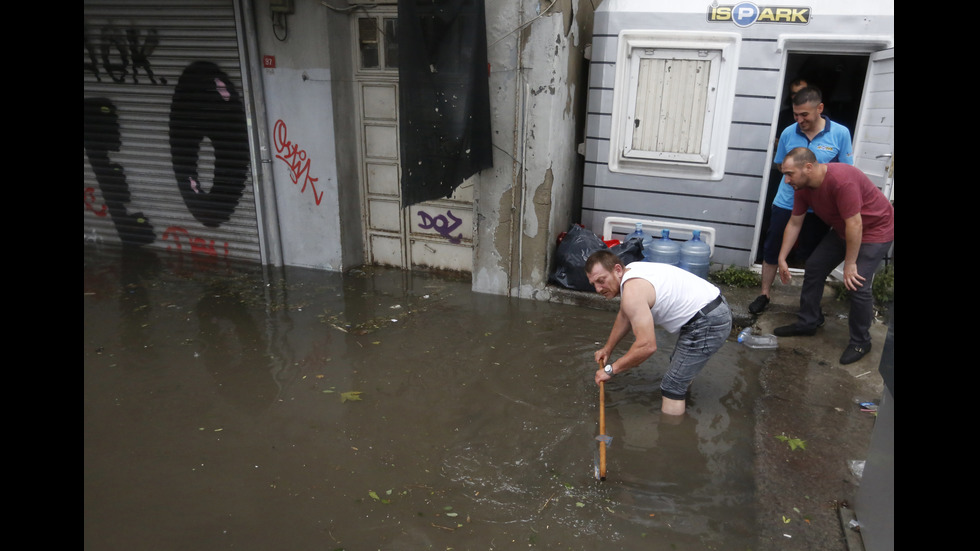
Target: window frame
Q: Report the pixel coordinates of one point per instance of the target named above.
(635, 45)
(384, 46)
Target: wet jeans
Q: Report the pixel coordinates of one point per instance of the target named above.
(696, 342)
(827, 256)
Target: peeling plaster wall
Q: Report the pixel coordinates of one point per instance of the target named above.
(530, 194)
(549, 154)
(493, 197)
(537, 85)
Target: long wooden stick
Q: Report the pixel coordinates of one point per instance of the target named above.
(602, 428)
(602, 431)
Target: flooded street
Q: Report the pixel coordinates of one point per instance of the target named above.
(230, 406)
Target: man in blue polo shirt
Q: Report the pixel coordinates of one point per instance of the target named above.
(830, 142)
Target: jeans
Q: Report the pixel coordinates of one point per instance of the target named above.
(827, 256)
(696, 342)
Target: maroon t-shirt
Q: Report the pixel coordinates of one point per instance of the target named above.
(844, 192)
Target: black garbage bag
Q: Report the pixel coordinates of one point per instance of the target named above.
(630, 251)
(575, 249)
(572, 253)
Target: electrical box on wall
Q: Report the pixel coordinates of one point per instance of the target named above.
(281, 6)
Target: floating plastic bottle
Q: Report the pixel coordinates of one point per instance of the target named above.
(696, 255)
(645, 238)
(764, 341)
(665, 249)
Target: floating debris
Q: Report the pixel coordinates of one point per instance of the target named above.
(353, 395)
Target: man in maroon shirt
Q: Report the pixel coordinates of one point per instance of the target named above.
(863, 224)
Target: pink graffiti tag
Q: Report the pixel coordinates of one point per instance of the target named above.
(219, 85)
(197, 244)
(90, 200)
(295, 159)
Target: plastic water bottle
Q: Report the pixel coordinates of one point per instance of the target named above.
(665, 249)
(645, 238)
(764, 341)
(696, 255)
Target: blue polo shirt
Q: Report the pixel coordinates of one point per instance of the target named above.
(831, 145)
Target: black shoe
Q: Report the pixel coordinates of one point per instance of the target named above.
(759, 304)
(793, 331)
(853, 353)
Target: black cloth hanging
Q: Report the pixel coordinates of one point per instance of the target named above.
(444, 96)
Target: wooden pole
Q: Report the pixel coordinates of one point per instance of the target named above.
(602, 429)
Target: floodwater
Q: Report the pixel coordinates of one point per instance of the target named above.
(231, 406)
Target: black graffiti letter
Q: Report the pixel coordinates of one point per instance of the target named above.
(101, 134)
(141, 53)
(112, 38)
(206, 105)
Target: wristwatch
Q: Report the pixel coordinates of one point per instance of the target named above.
(608, 370)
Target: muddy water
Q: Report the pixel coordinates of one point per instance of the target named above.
(230, 406)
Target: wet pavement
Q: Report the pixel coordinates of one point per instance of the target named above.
(234, 406)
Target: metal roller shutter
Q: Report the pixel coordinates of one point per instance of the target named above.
(167, 158)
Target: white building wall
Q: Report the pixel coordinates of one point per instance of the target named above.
(301, 143)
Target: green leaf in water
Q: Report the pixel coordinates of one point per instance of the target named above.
(352, 395)
(793, 442)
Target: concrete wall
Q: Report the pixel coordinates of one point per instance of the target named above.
(307, 192)
(537, 86)
(338, 35)
(299, 106)
(535, 50)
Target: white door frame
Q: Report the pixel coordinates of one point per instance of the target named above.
(874, 137)
(436, 234)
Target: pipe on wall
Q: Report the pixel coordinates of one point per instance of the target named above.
(266, 207)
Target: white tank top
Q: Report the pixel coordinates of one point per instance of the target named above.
(680, 294)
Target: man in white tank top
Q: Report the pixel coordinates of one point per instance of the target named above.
(653, 294)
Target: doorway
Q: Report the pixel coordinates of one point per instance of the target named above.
(436, 234)
(840, 78)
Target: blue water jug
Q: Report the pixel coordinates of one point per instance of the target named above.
(695, 255)
(665, 250)
(645, 238)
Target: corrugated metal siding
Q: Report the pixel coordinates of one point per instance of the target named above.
(167, 161)
(730, 205)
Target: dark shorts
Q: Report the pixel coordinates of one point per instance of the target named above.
(813, 230)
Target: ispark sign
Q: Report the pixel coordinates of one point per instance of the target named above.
(747, 13)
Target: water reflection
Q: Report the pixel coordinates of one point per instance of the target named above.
(474, 425)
